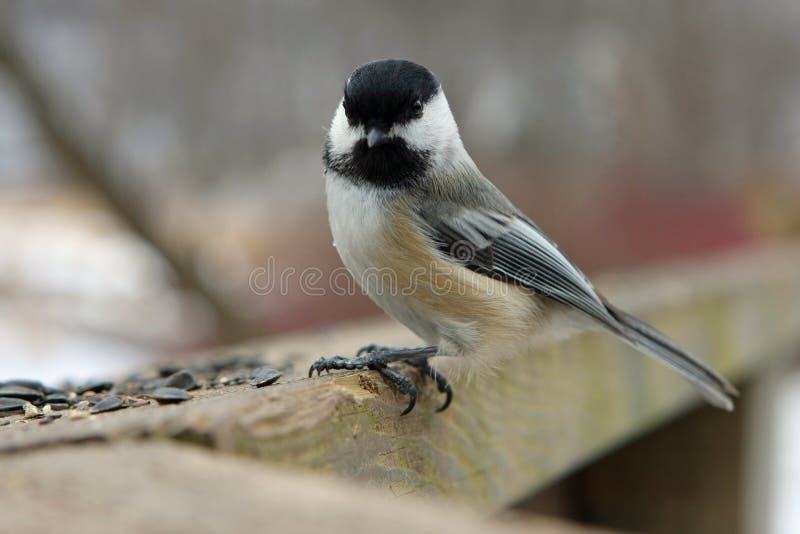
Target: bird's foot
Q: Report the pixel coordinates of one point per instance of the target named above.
(374, 347)
(378, 358)
(442, 384)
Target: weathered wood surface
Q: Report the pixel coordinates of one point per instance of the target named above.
(505, 435)
(162, 487)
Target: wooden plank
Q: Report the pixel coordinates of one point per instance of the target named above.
(686, 476)
(505, 435)
(165, 487)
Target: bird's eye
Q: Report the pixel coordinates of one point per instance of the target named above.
(416, 107)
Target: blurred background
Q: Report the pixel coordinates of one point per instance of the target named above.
(631, 131)
(155, 156)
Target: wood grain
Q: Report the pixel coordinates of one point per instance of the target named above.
(505, 435)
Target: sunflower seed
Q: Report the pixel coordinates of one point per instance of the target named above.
(169, 369)
(265, 376)
(32, 384)
(107, 405)
(182, 380)
(20, 392)
(57, 398)
(168, 395)
(94, 399)
(9, 406)
(97, 387)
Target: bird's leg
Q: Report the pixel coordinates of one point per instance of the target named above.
(374, 347)
(378, 358)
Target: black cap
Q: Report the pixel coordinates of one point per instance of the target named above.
(388, 92)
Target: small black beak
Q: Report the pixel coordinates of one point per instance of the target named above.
(376, 136)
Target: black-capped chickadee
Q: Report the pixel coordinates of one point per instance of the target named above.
(442, 250)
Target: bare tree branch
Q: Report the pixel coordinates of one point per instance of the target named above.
(84, 165)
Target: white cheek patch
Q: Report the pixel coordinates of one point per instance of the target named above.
(342, 135)
(435, 128)
(435, 132)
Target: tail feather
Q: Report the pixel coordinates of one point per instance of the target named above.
(716, 389)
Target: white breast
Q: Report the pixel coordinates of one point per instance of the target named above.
(359, 222)
(356, 219)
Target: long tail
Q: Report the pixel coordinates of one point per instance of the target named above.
(714, 387)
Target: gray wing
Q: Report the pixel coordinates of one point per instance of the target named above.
(511, 248)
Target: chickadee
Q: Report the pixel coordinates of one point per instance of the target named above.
(439, 248)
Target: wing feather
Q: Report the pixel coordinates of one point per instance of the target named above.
(511, 248)
(514, 250)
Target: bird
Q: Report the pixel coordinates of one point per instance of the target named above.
(439, 248)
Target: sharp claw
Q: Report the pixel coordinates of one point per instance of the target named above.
(412, 401)
(449, 393)
(315, 367)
